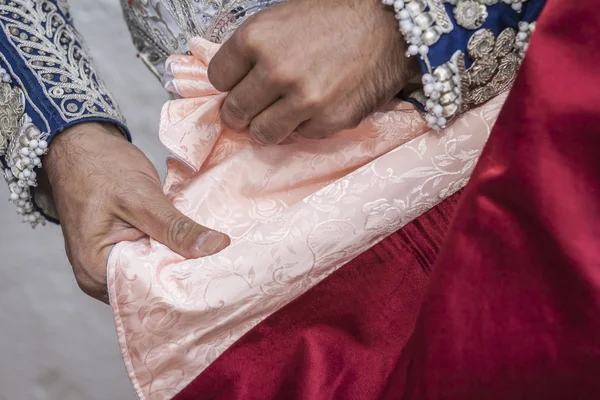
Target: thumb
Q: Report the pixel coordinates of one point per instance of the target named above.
(160, 220)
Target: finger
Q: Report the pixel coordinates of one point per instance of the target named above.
(315, 129)
(326, 125)
(248, 99)
(277, 122)
(159, 219)
(231, 64)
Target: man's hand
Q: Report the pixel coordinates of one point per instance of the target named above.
(312, 67)
(107, 191)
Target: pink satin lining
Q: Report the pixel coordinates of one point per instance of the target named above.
(295, 213)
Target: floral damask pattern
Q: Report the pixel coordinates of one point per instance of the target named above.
(175, 317)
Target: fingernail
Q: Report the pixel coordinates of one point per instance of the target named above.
(211, 242)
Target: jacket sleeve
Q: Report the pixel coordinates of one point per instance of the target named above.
(469, 50)
(47, 84)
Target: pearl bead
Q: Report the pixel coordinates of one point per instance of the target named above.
(404, 15)
(24, 195)
(413, 50)
(6, 78)
(439, 86)
(435, 96)
(37, 161)
(398, 5)
(442, 73)
(429, 104)
(430, 37)
(428, 89)
(437, 110)
(21, 203)
(416, 7)
(424, 20)
(20, 211)
(34, 144)
(31, 182)
(43, 144)
(14, 196)
(431, 119)
(428, 78)
(40, 151)
(26, 173)
(406, 26)
(442, 121)
(388, 2)
(423, 50)
(25, 151)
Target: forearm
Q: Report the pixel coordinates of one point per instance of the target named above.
(48, 85)
(469, 51)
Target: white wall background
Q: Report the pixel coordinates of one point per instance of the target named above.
(56, 344)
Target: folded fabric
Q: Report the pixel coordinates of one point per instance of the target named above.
(295, 212)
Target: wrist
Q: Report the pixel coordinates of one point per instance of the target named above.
(76, 144)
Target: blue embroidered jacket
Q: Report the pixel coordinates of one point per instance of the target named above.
(470, 51)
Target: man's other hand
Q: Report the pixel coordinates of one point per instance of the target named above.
(107, 191)
(311, 68)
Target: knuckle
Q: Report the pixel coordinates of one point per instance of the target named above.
(280, 76)
(347, 120)
(248, 35)
(343, 119)
(311, 97)
(333, 122)
(263, 134)
(233, 111)
(179, 230)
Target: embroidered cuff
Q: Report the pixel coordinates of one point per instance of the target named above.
(47, 84)
(440, 32)
(22, 145)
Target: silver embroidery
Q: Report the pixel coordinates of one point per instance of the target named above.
(12, 108)
(22, 145)
(470, 14)
(52, 49)
(449, 88)
(163, 27)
